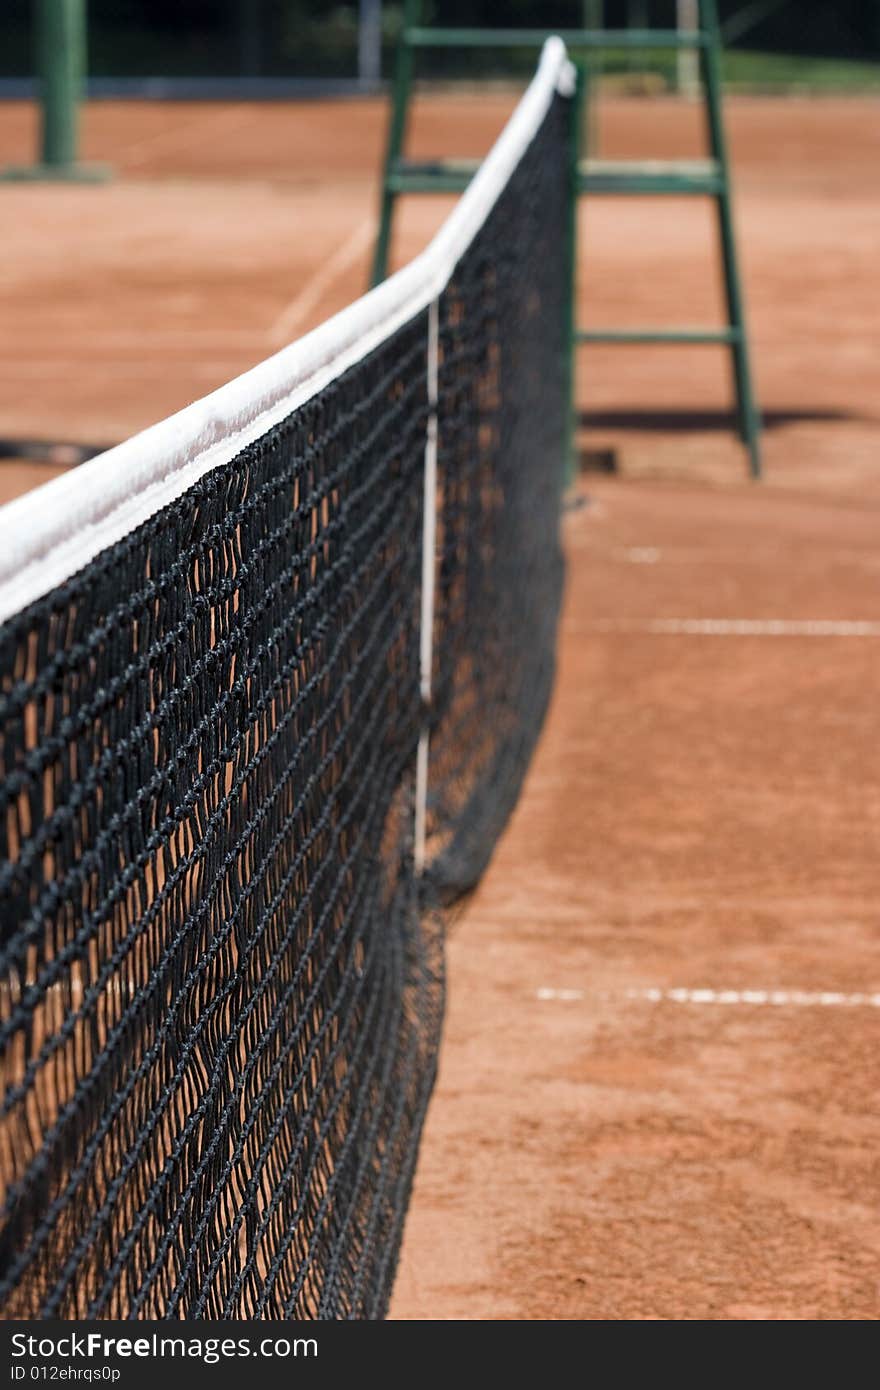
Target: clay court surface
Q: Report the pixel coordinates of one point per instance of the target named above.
(657, 1092)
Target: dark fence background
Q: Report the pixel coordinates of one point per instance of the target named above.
(318, 38)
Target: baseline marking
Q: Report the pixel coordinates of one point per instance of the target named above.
(294, 314)
(774, 998)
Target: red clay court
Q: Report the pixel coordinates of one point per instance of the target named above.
(657, 1092)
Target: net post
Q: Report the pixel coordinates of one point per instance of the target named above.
(60, 45)
(426, 628)
(571, 339)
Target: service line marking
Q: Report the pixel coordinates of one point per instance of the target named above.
(293, 316)
(775, 998)
(739, 627)
(778, 998)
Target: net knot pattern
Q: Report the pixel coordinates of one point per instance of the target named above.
(221, 979)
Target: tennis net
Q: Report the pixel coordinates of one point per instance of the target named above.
(270, 676)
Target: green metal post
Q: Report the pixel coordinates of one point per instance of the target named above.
(61, 54)
(575, 135)
(403, 72)
(748, 416)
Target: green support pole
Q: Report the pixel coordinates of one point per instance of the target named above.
(571, 340)
(748, 417)
(403, 70)
(60, 34)
(61, 47)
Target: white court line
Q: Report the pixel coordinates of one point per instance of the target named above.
(292, 317)
(108, 346)
(740, 627)
(775, 998)
(182, 137)
(642, 555)
(205, 369)
(286, 326)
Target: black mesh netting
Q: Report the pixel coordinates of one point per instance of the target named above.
(221, 979)
(502, 412)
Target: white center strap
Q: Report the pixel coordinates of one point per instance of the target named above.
(429, 546)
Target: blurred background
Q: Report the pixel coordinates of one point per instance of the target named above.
(244, 141)
(771, 44)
